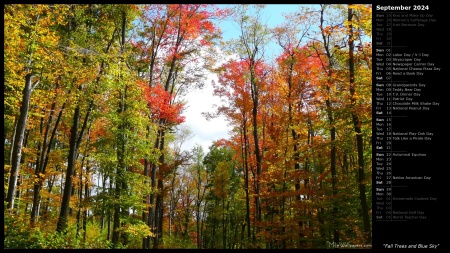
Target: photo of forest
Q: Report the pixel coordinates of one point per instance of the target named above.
(96, 122)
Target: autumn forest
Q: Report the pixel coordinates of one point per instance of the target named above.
(94, 96)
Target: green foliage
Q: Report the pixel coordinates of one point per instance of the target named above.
(174, 242)
(215, 155)
(78, 54)
(17, 234)
(95, 239)
(135, 230)
(56, 240)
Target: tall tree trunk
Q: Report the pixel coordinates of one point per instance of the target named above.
(152, 207)
(246, 177)
(120, 181)
(359, 137)
(21, 126)
(81, 186)
(74, 144)
(198, 203)
(172, 204)
(85, 211)
(255, 100)
(64, 213)
(120, 170)
(108, 212)
(50, 184)
(41, 165)
(36, 180)
(48, 147)
(296, 151)
(102, 224)
(75, 140)
(333, 173)
(224, 227)
(331, 122)
(159, 195)
(18, 140)
(146, 199)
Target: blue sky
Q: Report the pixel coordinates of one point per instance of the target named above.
(205, 132)
(272, 15)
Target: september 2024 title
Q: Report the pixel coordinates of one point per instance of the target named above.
(402, 7)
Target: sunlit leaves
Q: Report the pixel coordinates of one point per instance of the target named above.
(136, 87)
(162, 105)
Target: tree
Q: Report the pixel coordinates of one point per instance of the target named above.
(325, 54)
(76, 133)
(357, 123)
(34, 40)
(201, 181)
(178, 31)
(296, 71)
(253, 38)
(94, 143)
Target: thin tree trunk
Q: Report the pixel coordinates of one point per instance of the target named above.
(62, 221)
(74, 143)
(152, 208)
(146, 198)
(121, 154)
(198, 204)
(85, 211)
(119, 172)
(257, 149)
(40, 166)
(108, 213)
(159, 196)
(359, 137)
(224, 227)
(36, 180)
(246, 178)
(102, 224)
(329, 110)
(12, 144)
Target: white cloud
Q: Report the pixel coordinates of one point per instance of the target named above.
(204, 131)
(199, 101)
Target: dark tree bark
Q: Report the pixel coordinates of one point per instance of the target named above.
(359, 137)
(43, 160)
(252, 39)
(75, 140)
(64, 213)
(121, 139)
(331, 122)
(146, 199)
(74, 144)
(246, 175)
(159, 196)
